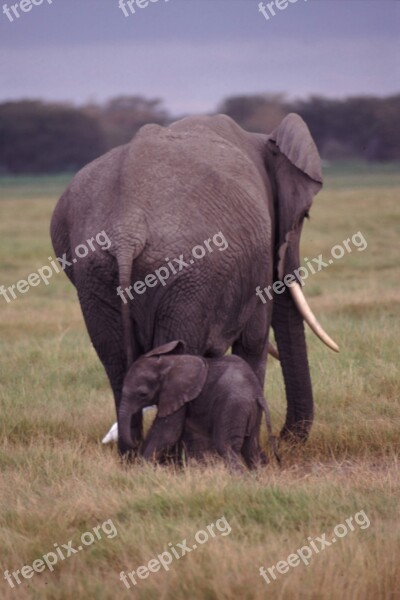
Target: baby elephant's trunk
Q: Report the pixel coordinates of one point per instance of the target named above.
(125, 442)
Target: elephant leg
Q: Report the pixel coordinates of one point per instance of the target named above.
(164, 434)
(252, 453)
(228, 436)
(232, 459)
(252, 344)
(101, 310)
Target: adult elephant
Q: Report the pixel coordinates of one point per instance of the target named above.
(168, 190)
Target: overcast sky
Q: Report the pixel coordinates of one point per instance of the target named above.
(193, 53)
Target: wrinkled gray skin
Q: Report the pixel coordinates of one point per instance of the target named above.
(212, 405)
(168, 190)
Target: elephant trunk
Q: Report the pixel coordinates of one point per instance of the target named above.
(288, 326)
(125, 442)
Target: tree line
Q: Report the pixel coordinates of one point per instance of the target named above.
(43, 137)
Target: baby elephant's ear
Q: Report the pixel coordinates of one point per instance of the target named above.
(183, 381)
(175, 346)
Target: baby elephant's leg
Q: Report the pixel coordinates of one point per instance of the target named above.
(232, 460)
(164, 433)
(252, 453)
(228, 438)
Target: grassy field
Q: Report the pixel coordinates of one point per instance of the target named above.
(57, 481)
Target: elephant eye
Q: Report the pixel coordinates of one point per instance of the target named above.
(306, 215)
(141, 392)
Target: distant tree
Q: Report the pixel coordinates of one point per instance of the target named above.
(384, 143)
(366, 127)
(46, 138)
(259, 113)
(121, 117)
(38, 137)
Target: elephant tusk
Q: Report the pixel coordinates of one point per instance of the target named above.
(273, 351)
(309, 317)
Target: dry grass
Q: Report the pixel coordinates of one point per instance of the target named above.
(57, 481)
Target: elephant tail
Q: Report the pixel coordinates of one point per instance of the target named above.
(125, 264)
(272, 440)
(126, 252)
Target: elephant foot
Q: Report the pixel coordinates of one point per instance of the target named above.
(128, 457)
(296, 433)
(233, 461)
(129, 454)
(263, 460)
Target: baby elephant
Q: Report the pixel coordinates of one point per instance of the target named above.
(208, 404)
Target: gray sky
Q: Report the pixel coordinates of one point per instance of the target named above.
(193, 53)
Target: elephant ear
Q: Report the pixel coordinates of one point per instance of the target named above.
(294, 140)
(182, 381)
(167, 348)
(295, 166)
